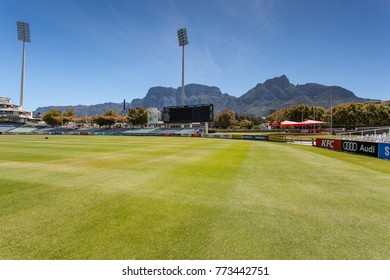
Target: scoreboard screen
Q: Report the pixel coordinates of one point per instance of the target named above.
(188, 114)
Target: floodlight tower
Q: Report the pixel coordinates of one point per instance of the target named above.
(24, 36)
(182, 35)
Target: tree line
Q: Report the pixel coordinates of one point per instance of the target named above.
(230, 119)
(135, 116)
(348, 116)
(138, 117)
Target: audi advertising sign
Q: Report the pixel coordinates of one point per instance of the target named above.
(333, 144)
(365, 148)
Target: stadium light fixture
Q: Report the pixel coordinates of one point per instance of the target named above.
(24, 36)
(183, 40)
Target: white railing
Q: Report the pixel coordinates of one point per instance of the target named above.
(379, 134)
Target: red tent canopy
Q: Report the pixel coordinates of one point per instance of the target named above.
(284, 123)
(289, 123)
(311, 122)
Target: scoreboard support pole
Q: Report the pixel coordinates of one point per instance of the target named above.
(206, 127)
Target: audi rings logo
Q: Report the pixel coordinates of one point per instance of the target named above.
(350, 146)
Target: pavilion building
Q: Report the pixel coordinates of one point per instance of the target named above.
(12, 113)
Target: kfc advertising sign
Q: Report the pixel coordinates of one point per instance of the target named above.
(333, 144)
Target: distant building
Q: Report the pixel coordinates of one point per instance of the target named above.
(12, 113)
(386, 102)
(153, 116)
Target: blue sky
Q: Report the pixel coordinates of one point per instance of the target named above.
(96, 51)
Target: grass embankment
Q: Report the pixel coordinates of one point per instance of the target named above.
(75, 197)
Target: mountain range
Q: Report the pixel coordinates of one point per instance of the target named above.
(274, 94)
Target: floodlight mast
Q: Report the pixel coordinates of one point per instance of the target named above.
(24, 36)
(182, 35)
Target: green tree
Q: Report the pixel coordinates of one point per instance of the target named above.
(68, 116)
(255, 120)
(69, 113)
(225, 119)
(360, 115)
(350, 115)
(108, 118)
(377, 114)
(104, 120)
(53, 117)
(138, 116)
(247, 124)
(298, 113)
(383, 115)
(111, 113)
(277, 116)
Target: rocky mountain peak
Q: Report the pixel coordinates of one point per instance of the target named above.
(281, 82)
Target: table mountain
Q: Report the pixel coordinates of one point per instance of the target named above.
(274, 94)
(278, 93)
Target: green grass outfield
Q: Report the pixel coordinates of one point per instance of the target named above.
(98, 197)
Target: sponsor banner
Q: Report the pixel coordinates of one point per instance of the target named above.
(255, 137)
(248, 137)
(276, 138)
(215, 136)
(261, 137)
(365, 148)
(220, 136)
(384, 151)
(226, 136)
(333, 144)
(237, 136)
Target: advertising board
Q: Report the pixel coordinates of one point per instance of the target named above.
(248, 137)
(221, 136)
(365, 148)
(237, 136)
(333, 144)
(276, 138)
(261, 137)
(384, 151)
(255, 137)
